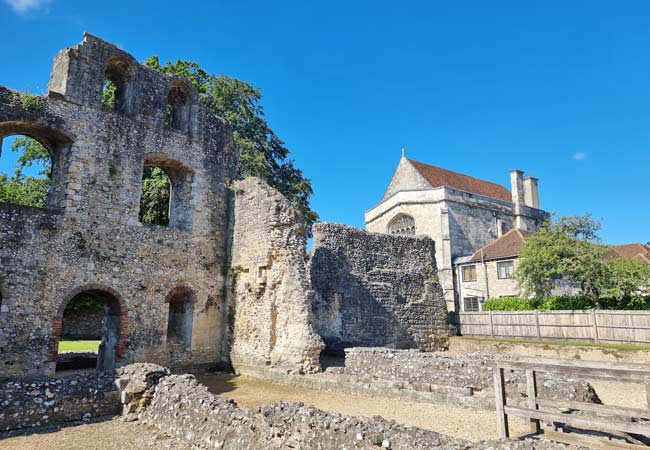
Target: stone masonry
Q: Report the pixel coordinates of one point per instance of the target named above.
(271, 290)
(376, 290)
(89, 239)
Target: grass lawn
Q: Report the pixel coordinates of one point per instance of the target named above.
(606, 345)
(78, 346)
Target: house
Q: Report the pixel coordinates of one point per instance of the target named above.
(460, 213)
(490, 271)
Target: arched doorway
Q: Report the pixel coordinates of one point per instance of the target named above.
(89, 332)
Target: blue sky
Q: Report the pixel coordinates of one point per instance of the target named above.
(558, 89)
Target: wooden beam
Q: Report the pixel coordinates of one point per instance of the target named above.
(531, 391)
(500, 401)
(579, 368)
(592, 423)
(580, 440)
(595, 407)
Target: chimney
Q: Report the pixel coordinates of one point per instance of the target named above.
(518, 196)
(531, 192)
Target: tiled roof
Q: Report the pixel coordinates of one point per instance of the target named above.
(507, 246)
(632, 251)
(439, 177)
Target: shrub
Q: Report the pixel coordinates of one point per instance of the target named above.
(553, 303)
(508, 304)
(565, 303)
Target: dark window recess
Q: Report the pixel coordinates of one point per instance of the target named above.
(471, 304)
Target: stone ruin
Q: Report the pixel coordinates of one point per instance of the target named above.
(227, 282)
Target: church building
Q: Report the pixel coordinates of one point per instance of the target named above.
(460, 213)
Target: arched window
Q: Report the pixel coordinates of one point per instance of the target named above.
(31, 171)
(178, 106)
(402, 224)
(116, 88)
(181, 317)
(166, 197)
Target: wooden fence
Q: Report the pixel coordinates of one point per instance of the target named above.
(583, 325)
(613, 419)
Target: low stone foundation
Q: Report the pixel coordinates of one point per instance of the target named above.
(49, 401)
(420, 371)
(180, 406)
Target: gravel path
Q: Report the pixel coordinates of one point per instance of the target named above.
(446, 419)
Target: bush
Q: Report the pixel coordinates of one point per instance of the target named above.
(508, 304)
(565, 303)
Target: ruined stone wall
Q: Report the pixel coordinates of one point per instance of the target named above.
(83, 323)
(376, 290)
(270, 287)
(473, 370)
(50, 401)
(89, 237)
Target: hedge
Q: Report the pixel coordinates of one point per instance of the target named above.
(556, 303)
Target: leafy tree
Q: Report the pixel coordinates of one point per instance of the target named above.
(263, 153)
(27, 190)
(626, 278)
(154, 202)
(570, 247)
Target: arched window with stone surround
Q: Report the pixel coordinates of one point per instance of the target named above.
(402, 224)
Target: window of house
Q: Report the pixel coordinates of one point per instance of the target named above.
(471, 304)
(505, 270)
(402, 224)
(177, 114)
(469, 273)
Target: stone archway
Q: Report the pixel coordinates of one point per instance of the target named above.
(113, 328)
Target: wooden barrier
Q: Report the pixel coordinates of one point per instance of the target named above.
(583, 325)
(605, 418)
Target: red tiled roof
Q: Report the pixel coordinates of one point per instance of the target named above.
(439, 177)
(632, 251)
(506, 246)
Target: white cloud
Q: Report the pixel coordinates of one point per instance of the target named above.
(579, 156)
(24, 6)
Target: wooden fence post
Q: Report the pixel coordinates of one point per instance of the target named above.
(500, 401)
(539, 334)
(531, 391)
(594, 322)
(491, 325)
(647, 393)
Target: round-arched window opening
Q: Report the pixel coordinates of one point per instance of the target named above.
(116, 87)
(177, 113)
(166, 196)
(155, 197)
(25, 171)
(90, 332)
(402, 224)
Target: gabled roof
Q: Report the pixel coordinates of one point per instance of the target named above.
(507, 246)
(635, 250)
(439, 177)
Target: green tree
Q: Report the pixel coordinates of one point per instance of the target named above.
(626, 278)
(27, 190)
(263, 153)
(154, 202)
(569, 248)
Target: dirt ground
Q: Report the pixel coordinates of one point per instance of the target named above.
(446, 419)
(111, 434)
(455, 421)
